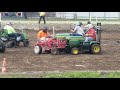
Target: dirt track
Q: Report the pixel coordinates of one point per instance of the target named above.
(22, 59)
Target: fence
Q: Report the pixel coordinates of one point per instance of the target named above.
(86, 15)
(62, 15)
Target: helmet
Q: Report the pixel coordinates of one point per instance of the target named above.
(89, 26)
(78, 24)
(45, 28)
(10, 23)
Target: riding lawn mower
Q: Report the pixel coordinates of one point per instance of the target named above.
(2, 47)
(65, 43)
(11, 42)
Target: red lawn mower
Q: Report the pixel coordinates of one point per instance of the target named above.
(52, 45)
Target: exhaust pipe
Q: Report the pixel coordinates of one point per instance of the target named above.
(99, 32)
(53, 32)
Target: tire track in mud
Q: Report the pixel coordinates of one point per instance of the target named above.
(44, 62)
(61, 64)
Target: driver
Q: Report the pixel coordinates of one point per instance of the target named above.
(90, 34)
(9, 30)
(77, 31)
(43, 34)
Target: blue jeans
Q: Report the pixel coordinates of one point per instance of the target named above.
(75, 34)
(87, 39)
(12, 35)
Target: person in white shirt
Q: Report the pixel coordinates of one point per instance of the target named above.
(78, 30)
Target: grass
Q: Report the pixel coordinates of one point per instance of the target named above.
(74, 75)
(65, 75)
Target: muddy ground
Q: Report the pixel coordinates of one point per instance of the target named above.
(23, 59)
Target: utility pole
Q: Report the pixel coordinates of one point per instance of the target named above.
(89, 16)
(119, 15)
(104, 15)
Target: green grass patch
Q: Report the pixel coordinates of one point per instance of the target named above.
(65, 75)
(74, 75)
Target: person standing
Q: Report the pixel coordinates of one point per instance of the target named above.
(25, 15)
(42, 16)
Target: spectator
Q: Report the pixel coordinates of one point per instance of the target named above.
(42, 16)
(25, 15)
(6, 13)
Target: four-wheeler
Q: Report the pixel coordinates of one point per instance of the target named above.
(70, 44)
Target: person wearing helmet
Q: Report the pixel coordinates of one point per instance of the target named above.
(86, 26)
(11, 24)
(89, 23)
(43, 34)
(10, 30)
(90, 34)
(77, 31)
